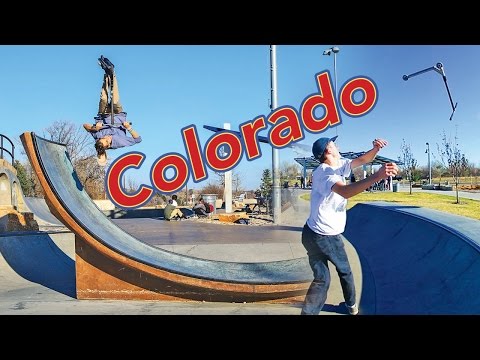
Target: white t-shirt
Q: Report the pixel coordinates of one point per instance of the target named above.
(328, 214)
(174, 203)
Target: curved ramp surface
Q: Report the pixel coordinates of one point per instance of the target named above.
(110, 263)
(39, 208)
(415, 260)
(27, 261)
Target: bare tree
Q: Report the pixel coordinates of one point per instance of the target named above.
(91, 176)
(473, 172)
(456, 160)
(438, 169)
(131, 185)
(236, 181)
(212, 188)
(76, 139)
(409, 163)
(289, 171)
(81, 150)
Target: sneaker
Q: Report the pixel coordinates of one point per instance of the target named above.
(106, 65)
(352, 310)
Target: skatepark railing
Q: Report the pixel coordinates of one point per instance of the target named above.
(2, 149)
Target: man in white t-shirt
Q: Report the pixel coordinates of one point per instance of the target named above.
(322, 234)
(174, 200)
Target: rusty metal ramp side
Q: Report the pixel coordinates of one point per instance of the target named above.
(416, 260)
(110, 263)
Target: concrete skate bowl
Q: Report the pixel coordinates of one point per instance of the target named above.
(415, 260)
(27, 259)
(111, 264)
(42, 213)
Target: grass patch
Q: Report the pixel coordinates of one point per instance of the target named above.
(467, 207)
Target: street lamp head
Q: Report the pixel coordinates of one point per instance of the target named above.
(334, 49)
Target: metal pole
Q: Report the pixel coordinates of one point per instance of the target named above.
(335, 50)
(429, 165)
(335, 72)
(276, 200)
(227, 186)
(335, 76)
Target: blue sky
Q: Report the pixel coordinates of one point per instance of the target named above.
(165, 88)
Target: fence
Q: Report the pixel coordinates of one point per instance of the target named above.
(3, 149)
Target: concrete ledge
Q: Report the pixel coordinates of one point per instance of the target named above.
(428, 187)
(11, 220)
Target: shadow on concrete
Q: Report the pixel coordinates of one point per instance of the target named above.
(142, 213)
(338, 309)
(39, 260)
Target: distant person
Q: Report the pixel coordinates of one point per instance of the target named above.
(200, 209)
(302, 182)
(352, 178)
(110, 135)
(322, 234)
(174, 199)
(171, 212)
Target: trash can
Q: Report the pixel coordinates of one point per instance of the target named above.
(210, 199)
(395, 187)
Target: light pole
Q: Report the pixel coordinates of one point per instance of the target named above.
(335, 50)
(276, 195)
(429, 164)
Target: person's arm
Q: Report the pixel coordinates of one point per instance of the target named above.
(91, 128)
(369, 155)
(88, 127)
(130, 129)
(352, 189)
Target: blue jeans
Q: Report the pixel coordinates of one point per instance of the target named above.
(320, 250)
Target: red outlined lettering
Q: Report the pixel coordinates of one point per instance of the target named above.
(326, 100)
(370, 95)
(249, 132)
(192, 145)
(288, 127)
(211, 151)
(286, 131)
(116, 193)
(180, 167)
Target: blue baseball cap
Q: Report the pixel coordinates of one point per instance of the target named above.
(319, 146)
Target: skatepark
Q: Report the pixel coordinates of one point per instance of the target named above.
(406, 260)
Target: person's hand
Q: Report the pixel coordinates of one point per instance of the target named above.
(126, 125)
(89, 127)
(387, 170)
(379, 143)
(98, 126)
